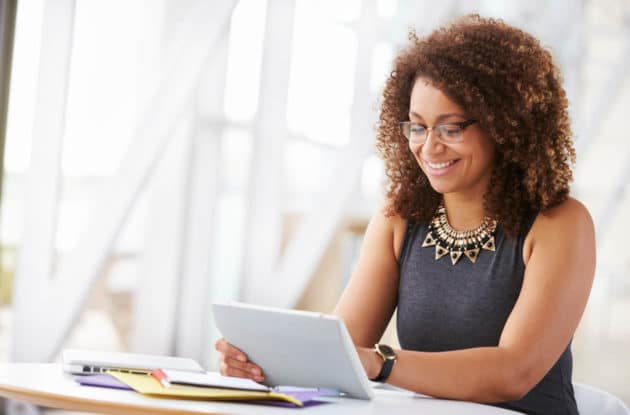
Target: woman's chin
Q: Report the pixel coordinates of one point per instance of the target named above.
(442, 188)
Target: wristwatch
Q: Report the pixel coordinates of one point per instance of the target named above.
(389, 357)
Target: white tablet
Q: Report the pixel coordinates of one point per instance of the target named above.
(82, 362)
(295, 348)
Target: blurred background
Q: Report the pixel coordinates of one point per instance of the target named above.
(160, 155)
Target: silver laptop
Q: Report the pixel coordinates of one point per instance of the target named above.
(295, 348)
(83, 362)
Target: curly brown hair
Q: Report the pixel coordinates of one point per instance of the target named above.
(507, 81)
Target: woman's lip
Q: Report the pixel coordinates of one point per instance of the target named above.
(439, 171)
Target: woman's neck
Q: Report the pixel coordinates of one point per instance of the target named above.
(463, 211)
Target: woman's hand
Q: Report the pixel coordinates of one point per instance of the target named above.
(233, 362)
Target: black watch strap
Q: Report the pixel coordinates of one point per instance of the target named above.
(389, 357)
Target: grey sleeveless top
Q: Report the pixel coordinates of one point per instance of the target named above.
(444, 307)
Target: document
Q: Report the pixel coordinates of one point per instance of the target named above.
(212, 379)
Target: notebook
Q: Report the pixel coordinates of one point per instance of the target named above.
(297, 348)
(212, 379)
(147, 385)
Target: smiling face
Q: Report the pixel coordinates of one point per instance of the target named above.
(463, 167)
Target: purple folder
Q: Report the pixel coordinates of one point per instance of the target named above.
(305, 396)
(103, 380)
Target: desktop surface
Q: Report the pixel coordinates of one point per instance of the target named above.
(46, 385)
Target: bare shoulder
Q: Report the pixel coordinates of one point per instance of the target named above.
(570, 216)
(395, 226)
(568, 223)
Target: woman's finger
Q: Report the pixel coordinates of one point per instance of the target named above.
(229, 351)
(227, 370)
(249, 367)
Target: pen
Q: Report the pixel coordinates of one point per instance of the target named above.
(160, 376)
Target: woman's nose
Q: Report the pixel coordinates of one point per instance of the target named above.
(432, 144)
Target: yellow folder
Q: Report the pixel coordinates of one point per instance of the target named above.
(147, 385)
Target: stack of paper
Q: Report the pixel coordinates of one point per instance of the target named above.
(150, 386)
(204, 386)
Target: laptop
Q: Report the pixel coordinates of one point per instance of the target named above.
(295, 348)
(84, 362)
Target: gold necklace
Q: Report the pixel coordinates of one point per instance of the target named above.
(458, 243)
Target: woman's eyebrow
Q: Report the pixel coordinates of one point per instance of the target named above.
(449, 115)
(440, 117)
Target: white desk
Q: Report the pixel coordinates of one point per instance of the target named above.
(46, 385)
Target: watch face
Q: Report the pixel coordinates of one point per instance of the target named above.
(386, 351)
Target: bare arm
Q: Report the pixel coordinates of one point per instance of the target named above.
(370, 298)
(560, 258)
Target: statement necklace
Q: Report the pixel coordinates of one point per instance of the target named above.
(458, 243)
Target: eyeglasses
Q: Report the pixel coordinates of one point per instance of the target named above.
(446, 132)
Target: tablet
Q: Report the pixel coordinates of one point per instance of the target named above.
(83, 362)
(295, 348)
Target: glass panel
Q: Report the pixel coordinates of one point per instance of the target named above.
(307, 168)
(386, 8)
(103, 87)
(229, 240)
(321, 83)
(373, 177)
(23, 89)
(382, 57)
(236, 152)
(341, 11)
(245, 47)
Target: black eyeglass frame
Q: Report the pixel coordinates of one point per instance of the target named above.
(463, 125)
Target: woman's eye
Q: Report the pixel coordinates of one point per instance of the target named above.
(417, 129)
(452, 131)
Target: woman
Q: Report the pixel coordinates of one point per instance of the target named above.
(486, 258)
